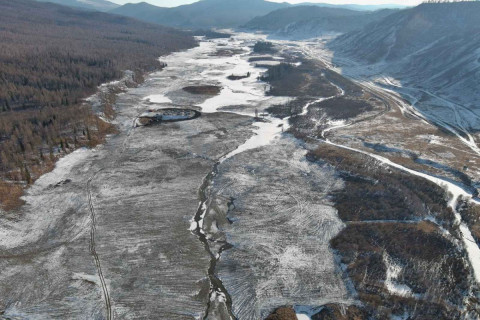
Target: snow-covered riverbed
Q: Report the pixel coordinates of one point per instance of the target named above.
(265, 220)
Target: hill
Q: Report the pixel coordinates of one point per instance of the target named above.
(202, 14)
(434, 44)
(51, 58)
(358, 7)
(311, 21)
(98, 5)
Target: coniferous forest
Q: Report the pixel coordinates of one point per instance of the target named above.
(51, 58)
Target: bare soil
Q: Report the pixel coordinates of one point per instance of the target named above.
(205, 90)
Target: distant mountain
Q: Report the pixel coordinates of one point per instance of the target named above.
(98, 5)
(435, 45)
(358, 7)
(312, 21)
(173, 3)
(202, 14)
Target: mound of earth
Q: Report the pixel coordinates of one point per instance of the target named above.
(167, 115)
(207, 90)
(285, 313)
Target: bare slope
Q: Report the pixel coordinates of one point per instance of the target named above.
(435, 45)
(311, 21)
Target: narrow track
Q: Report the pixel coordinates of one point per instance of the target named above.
(93, 252)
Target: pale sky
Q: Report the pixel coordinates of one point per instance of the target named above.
(173, 3)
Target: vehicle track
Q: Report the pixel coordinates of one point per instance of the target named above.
(93, 252)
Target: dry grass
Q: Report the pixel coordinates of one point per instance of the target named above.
(10, 194)
(284, 313)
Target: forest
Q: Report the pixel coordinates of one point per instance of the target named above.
(51, 58)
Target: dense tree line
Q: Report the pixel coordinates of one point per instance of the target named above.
(263, 47)
(51, 58)
(52, 55)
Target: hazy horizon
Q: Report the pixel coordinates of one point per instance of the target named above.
(174, 3)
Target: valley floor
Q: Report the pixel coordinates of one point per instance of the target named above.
(235, 213)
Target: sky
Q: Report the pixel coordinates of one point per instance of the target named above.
(173, 3)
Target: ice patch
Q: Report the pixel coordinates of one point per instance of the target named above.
(158, 98)
(265, 133)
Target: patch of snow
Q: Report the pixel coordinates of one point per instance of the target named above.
(267, 63)
(301, 316)
(393, 272)
(34, 223)
(265, 133)
(158, 98)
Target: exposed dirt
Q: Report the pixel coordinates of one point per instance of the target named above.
(167, 115)
(235, 77)
(285, 313)
(339, 312)
(205, 90)
(230, 52)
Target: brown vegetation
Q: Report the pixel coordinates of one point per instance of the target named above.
(284, 313)
(263, 47)
(337, 312)
(227, 52)
(305, 80)
(350, 87)
(432, 267)
(343, 107)
(289, 109)
(381, 193)
(55, 56)
(384, 210)
(51, 58)
(471, 216)
(10, 194)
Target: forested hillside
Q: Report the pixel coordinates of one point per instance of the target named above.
(51, 57)
(97, 5)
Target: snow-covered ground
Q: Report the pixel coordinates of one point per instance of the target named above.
(264, 199)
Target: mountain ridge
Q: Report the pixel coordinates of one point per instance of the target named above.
(435, 45)
(310, 21)
(202, 14)
(97, 5)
